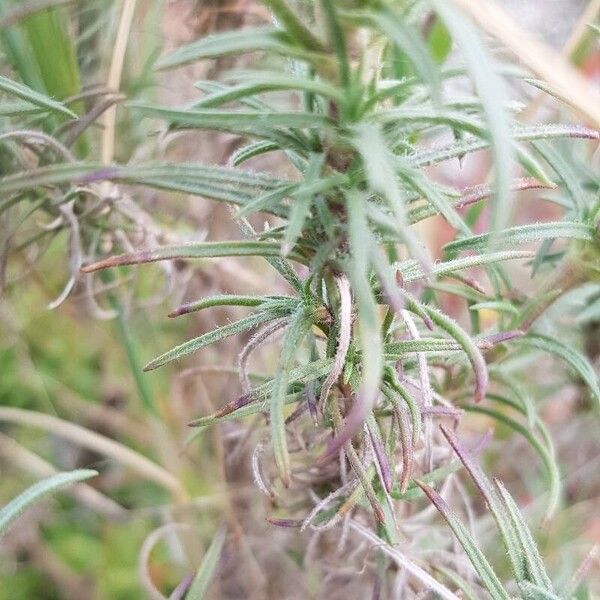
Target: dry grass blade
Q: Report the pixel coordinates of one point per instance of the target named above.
(542, 60)
(114, 78)
(98, 443)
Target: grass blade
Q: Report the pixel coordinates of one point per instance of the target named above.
(206, 572)
(23, 501)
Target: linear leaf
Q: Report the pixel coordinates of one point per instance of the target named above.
(295, 333)
(215, 335)
(28, 94)
(527, 233)
(548, 460)
(412, 271)
(437, 154)
(371, 341)
(234, 42)
(251, 150)
(575, 359)
(531, 591)
(208, 567)
(405, 37)
(23, 501)
(294, 25)
(533, 560)
(234, 121)
(492, 94)
(228, 300)
(468, 345)
(272, 80)
(192, 250)
(302, 203)
(478, 560)
(380, 171)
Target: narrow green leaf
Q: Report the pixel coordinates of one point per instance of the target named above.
(265, 125)
(491, 91)
(432, 156)
(564, 171)
(405, 36)
(501, 306)
(575, 359)
(294, 25)
(23, 501)
(548, 460)
(245, 40)
(215, 335)
(302, 203)
(230, 120)
(476, 556)
(396, 393)
(251, 150)
(247, 410)
(266, 81)
(396, 350)
(531, 591)
(192, 250)
(533, 560)
(371, 341)
(468, 345)
(295, 333)
(337, 40)
(527, 233)
(229, 300)
(19, 109)
(30, 95)
(380, 170)
(201, 583)
(412, 271)
(490, 495)
(429, 191)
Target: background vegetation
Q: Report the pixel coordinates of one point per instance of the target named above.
(87, 87)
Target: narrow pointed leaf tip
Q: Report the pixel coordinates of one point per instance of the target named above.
(28, 94)
(192, 250)
(17, 506)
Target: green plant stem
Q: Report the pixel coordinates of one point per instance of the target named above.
(131, 350)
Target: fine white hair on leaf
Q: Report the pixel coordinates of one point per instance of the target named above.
(345, 331)
(417, 572)
(426, 393)
(255, 341)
